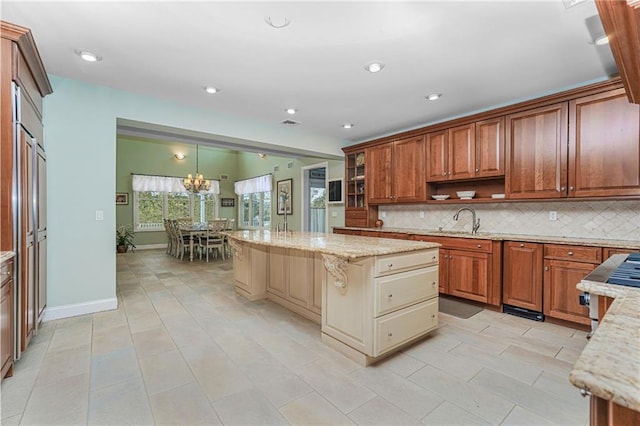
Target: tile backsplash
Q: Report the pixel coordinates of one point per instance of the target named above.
(614, 220)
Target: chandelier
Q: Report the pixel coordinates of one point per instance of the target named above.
(196, 183)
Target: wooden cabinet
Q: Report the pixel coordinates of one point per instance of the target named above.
(469, 268)
(250, 270)
(396, 172)
(522, 275)
(604, 148)
(357, 211)
(469, 151)
(6, 318)
(536, 152)
(564, 267)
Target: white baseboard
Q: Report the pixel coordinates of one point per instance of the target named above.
(75, 309)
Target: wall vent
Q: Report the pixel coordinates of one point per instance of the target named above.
(224, 177)
(290, 165)
(290, 122)
(276, 168)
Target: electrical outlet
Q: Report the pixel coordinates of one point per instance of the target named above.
(553, 215)
(421, 215)
(99, 215)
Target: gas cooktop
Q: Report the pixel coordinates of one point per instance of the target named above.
(628, 273)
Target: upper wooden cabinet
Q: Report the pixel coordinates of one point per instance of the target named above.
(604, 148)
(489, 148)
(396, 172)
(357, 212)
(536, 145)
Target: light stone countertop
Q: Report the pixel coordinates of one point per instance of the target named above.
(6, 255)
(595, 242)
(609, 365)
(345, 246)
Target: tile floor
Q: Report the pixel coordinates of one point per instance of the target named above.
(183, 348)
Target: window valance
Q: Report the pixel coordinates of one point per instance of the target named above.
(142, 183)
(256, 184)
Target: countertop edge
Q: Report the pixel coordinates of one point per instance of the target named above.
(6, 256)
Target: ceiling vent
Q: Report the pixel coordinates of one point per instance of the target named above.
(290, 122)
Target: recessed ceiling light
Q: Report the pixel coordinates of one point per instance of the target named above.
(374, 67)
(291, 111)
(347, 125)
(602, 40)
(88, 56)
(211, 90)
(277, 25)
(434, 96)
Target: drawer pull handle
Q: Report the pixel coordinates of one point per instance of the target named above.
(390, 296)
(479, 245)
(570, 253)
(433, 284)
(521, 245)
(390, 334)
(390, 265)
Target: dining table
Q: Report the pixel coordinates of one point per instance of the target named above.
(194, 230)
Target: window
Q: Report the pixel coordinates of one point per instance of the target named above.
(254, 210)
(151, 207)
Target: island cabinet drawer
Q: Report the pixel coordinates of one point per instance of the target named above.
(573, 253)
(395, 263)
(396, 291)
(397, 328)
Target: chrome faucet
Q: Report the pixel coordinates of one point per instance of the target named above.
(476, 223)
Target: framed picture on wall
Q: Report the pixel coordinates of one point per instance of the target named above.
(122, 198)
(285, 196)
(335, 191)
(227, 202)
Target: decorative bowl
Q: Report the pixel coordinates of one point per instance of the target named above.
(466, 195)
(440, 197)
(497, 195)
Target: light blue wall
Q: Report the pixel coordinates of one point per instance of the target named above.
(80, 137)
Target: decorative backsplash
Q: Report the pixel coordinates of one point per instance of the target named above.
(614, 220)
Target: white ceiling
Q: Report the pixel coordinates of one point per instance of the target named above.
(477, 54)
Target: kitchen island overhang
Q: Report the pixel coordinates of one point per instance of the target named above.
(372, 296)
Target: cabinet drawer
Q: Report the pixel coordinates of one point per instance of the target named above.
(397, 328)
(396, 291)
(394, 263)
(355, 214)
(573, 253)
(6, 271)
(471, 244)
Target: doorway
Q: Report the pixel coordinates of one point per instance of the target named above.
(314, 198)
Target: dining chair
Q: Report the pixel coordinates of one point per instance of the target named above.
(167, 229)
(213, 239)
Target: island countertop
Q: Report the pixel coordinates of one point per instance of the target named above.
(345, 246)
(609, 366)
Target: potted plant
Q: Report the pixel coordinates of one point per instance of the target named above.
(124, 238)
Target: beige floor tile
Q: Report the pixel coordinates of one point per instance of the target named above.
(381, 412)
(165, 371)
(111, 339)
(144, 322)
(451, 415)
(70, 338)
(560, 386)
(15, 392)
(402, 364)
(312, 409)
(63, 402)
(186, 405)
(11, 421)
(458, 364)
(523, 417)
(240, 349)
(218, 376)
(283, 390)
(249, 407)
(576, 344)
(124, 403)
(536, 359)
(340, 390)
(495, 343)
(543, 404)
(569, 354)
(536, 344)
(63, 364)
(471, 397)
(403, 393)
(33, 357)
(152, 342)
(114, 367)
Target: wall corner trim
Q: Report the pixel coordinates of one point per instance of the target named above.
(75, 309)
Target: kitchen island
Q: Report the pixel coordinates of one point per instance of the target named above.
(608, 368)
(372, 296)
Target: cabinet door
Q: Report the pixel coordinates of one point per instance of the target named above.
(6, 321)
(300, 277)
(443, 271)
(536, 152)
(522, 275)
(560, 292)
(408, 170)
(437, 156)
(604, 146)
(462, 152)
(469, 275)
(490, 148)
(378, 178)
(278, 264)
(26, 252)
(41, 235)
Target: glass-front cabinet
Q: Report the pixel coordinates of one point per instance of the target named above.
(357, 212)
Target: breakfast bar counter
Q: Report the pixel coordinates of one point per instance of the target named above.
(372, 296)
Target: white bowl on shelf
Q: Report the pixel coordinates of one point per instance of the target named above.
(497, 195)
(466, 195)
(440, 197)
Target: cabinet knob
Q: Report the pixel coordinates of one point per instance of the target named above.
(570, 253)
(433, 284)
(390, 334)
(521, 245)
(571, 188)
(390, 296)
(479, 245)
(562, 188)
(444, 174)
(477, 170)
(546, 268)
(8, 273)
(390, 265)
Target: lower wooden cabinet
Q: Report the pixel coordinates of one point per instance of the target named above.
(6, 319)
(522, 275)
(560, 292)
